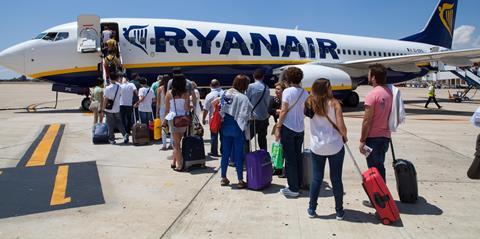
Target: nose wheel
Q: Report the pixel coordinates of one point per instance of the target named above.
(86, 103)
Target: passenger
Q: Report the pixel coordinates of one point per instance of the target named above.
(179, 105)
(154, 88)
(236, 110)
(259, 95)
(215, 93)
(112, 64)
(197, 106)
(161, 92)
(144, 104)
(274, 110)
(112, 45)
(290, 129)
(113, 94)
(327, 136)
(431, 96)
(126, 105)
(106, 35)
(97, 102)
(375, 127)
(276, 102)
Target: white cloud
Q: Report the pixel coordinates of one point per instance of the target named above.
(464, 37)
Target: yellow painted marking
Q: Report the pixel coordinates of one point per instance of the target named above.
(40, 155)
(60, 187)
(169, 64)
(168, 184)
(88, 113)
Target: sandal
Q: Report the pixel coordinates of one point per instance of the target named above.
(172, 166)
(224, 182)
(178, 169)
(241, 184)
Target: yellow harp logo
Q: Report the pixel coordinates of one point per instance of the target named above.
(446, 16)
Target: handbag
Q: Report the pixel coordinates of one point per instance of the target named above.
(180, 121)
(94, 106)
(197, 128)
(110, 102)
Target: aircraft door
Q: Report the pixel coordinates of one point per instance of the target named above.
(88, 34)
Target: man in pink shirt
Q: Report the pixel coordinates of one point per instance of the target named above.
(375, 131)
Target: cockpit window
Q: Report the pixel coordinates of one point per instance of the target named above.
(61, 36)
(50, 36)
(40, 36)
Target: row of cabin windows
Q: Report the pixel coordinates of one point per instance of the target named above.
(208, 44)
(368, 53)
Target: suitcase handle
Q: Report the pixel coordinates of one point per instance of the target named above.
(393, 153)
(354, 161)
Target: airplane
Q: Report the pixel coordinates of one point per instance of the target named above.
(68, 55)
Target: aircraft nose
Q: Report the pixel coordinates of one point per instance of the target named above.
(13, 58)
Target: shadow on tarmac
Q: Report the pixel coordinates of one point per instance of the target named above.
(421, 207)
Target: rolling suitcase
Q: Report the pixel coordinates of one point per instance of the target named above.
(193, 151)
(157, 129)
(100, 133)
(406, 177)
(259, 168)
(474, 170)
(307, 169)
(378, 193)
(140, 134)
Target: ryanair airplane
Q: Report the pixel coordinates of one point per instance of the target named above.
(68, 55)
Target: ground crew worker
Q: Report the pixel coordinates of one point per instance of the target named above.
(431, 96)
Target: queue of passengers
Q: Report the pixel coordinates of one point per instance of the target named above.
(245, 102)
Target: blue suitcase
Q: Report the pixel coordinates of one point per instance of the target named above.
(100, 133)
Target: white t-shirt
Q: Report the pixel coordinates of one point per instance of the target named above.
(214, 94)
(110, 94)
(324, 138)
(146, 104)
(294, 118)
(127, 94)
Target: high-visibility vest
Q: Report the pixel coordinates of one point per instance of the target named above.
(431, 91)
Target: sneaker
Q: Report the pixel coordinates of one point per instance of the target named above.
(231, 164)
(241, 184)
(170, 147)
(340, 215)
(164, 148)
(125, 139)
(311, 213)
(367, 203)
(112, 142)
(224, 182)
(287, 193)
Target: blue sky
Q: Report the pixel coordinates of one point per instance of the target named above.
(23, 20)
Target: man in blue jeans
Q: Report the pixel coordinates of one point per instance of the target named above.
(375, 129)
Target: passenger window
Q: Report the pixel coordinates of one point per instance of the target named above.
(227, 45)
(283, 48)
(61, 36)
(217, 44)
(385, 54)
(236, 45)
(199, 43)
(208, 43)
(349, 52)
(374, 53)
(354, 52)
(268, 47)
(162, 42)
(172, 42)
(180, 42)
(143, 40)
(365, 53)
(339, 51)
(369, 53)
(344, 52)
(252, 46)
(152, 41)
(294, 48)
(190, 43)
(50, 36)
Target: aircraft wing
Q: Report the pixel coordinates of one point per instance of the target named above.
(411, 63)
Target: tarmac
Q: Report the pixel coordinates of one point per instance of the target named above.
(55, 183)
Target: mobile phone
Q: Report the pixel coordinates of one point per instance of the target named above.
(368, 150)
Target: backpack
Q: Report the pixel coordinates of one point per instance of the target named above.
(111, 66)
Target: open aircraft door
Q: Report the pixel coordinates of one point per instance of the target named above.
(88, 34)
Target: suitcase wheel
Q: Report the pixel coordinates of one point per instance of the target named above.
(386, 221)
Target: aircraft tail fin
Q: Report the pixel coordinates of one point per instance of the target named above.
(440, 28)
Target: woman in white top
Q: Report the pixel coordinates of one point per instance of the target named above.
(161, 104)
(179, 105)
(290, 129)
(327, 136)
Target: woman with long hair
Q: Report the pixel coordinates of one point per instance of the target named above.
(328, 133)
(178, 105)
(161, 106)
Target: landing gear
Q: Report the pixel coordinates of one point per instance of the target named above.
(352, 100)
(86, 103)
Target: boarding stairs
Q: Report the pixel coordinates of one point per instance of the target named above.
(472, 79)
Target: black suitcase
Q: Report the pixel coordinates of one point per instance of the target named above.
(307, 169)
(474, 170)
(193, 152)
(100, 133)
(406, 177)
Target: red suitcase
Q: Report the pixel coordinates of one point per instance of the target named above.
(378, 193)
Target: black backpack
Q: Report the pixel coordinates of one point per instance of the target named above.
(111, 66)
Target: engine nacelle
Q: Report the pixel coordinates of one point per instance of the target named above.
(339, 79)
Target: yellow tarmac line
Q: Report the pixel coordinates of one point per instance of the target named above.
(60, 187)
(40, 155)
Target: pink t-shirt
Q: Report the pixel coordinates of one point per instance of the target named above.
(380, 99)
